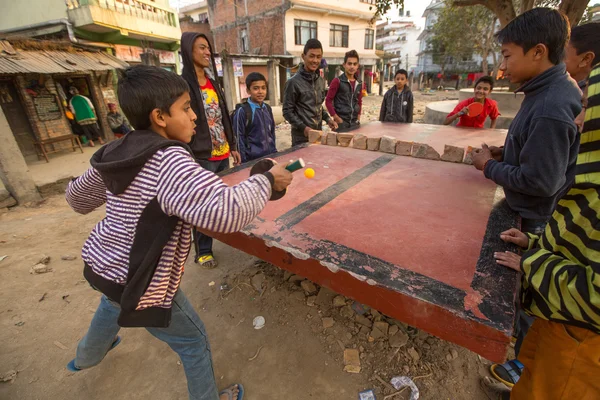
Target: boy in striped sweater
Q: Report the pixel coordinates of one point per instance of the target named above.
(561, 352)
(155, 192)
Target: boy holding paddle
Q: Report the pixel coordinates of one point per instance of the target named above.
(536, 166)
(474, 111)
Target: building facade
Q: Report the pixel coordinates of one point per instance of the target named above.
(136, 31)
(425, 59)
(281, 28)
(400, 39)
(194, 18)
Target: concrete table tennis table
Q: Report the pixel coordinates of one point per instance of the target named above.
(413, 238)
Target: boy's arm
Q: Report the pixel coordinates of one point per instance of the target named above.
(290, 99)
(87, 192)
(382, 112)
(200, 197)
(360, 98)
(455, 114)
(239, 130)
(272, 132)
(410, 108)
(333, 88)
(561, 287)
(543, 160)
(494, 116)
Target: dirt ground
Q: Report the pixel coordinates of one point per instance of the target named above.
(296, 356)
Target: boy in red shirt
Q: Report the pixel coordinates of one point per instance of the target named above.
(483, 88)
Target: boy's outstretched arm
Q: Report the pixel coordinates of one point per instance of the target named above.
(543, 160)
(333, 88)
(383, 108)
(200, 197)
(87, 192)
(239, 129)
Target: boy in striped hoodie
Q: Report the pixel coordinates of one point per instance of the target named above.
(155, 192)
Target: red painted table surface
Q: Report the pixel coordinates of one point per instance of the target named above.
(412, 238)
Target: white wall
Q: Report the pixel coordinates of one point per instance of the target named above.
(28, 12)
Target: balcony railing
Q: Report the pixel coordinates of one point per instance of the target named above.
(135, 8)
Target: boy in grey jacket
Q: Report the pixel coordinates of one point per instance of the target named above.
(398, 102)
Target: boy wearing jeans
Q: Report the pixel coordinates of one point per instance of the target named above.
(537, 163)
(155, 192)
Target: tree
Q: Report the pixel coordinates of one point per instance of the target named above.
(506, 10)
(461, 32)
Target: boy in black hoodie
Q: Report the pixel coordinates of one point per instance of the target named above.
(398, 102)
(537, 163)
(215, 140)
(155, 193)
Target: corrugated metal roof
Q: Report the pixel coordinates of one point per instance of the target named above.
(57, 62)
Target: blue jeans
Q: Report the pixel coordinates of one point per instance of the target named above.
(203, 243)
(185, 335)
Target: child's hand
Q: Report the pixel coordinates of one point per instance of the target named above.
(282, 177)
(497, 153)
(508, 259)
(515, 236)
(464, 111)
(480, 157)
(337, 119)
(237, 157)
(332, 124)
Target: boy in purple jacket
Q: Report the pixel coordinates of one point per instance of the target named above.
(155, 192)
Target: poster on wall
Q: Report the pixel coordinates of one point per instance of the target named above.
(238, 70)
(219, 65)
(47, 107)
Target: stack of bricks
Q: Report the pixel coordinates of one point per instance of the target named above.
(391, 145)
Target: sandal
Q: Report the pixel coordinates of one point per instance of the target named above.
(207, 261)
(73, 368)
(507, 373)
(229, 392)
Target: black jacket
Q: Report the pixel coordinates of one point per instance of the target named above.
(541, 146)
(119, 163)
(201, 143)
(397, 107)
(303, 99)
(345, 101)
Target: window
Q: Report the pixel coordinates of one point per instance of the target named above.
(368, 1)
(203, 17)
(408, 13)
(304, 30)
(244, 41)
(338, 35)
(369, 34)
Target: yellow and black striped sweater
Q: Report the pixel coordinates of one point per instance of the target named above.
(561, 280)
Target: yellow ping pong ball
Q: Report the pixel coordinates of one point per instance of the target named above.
(309, 173)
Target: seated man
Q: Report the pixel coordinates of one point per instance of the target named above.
(483, 88)
(116, 121)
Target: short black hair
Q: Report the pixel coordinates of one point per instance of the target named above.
(144, 88)
(586, 38)
(540, 25)
(351, 54)
(312, 44)
(254, 77)
(486, 79)
(401, 71)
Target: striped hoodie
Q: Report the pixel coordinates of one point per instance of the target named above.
(155, 193)
(561, 280)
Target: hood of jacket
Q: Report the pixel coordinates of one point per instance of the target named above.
(187, 54)
(545, 79)
(120, 161)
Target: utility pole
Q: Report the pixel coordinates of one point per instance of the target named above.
(406, 62)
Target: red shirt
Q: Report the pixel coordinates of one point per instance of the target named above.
(490, 108)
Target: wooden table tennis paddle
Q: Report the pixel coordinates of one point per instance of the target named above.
(474, 109)
(266, 164)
